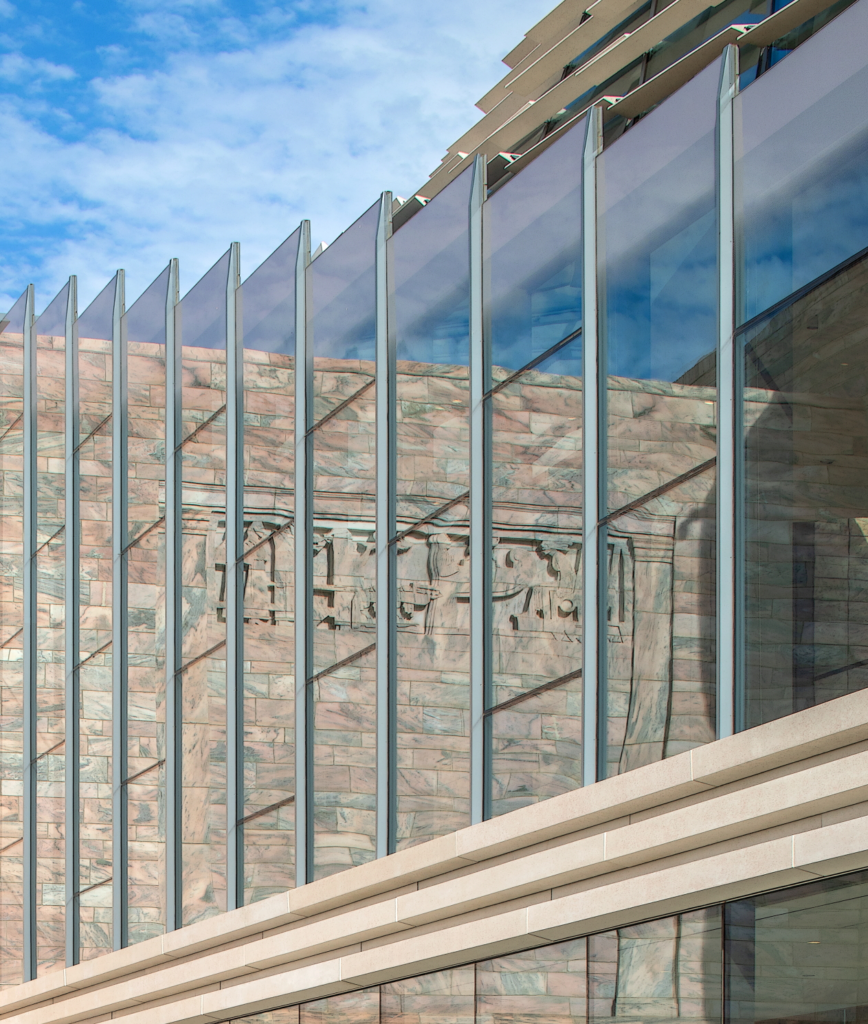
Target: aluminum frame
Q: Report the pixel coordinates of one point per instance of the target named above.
(729, 627)
(29, 639)
(120, 616)
(174, 624)
(593, 495)
(72, 630)
(303, 569)
(234, 587)
(480, 569)
(386, 624)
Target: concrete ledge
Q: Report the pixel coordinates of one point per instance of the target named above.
(732, 788)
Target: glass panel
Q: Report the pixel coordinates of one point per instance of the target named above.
(95, 617)
(803, 172)
(430, 998)
(754, 60)
(799, 954)
(96, 320)
(341, 331)
(806, 496)
(664, 970)
(11, 647)
(50, 563)
(201, 328)
(289, 1015)
(533, 267)
(268, 332)
(431, 302)
(350, 1008)
(144, 330)
(659, 314)
(540, 986)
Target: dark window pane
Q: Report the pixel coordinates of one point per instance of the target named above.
(806, 494)
(799, 955)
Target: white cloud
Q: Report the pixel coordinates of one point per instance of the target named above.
(15, 67)
(216, 147)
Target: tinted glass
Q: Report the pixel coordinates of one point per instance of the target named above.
(803, 172)
(659, 315)
(96, 373)
(806, 495)
(11, 630)
(341, 333)
(533, 268)
(268, 331)
(50, 557)
(431, 302)
(201, 330)
(144, 331)
(800, 954)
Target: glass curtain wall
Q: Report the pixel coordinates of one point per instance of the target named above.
(95, 414)
(802, 184)
(266, 320)
(11, 644)
(144, 334)
(533, 267)
(431, 308)
(658, 312)
(799, 954)
(341, 337)
(201, 330)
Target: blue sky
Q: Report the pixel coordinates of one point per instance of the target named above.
(138, 130)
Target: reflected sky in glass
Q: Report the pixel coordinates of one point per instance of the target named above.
(432, 279)
(203, 308)
(533, 259)
(145, 320)
(53, 319)
(343, 291)
(268, 301)
(658, 234)
(96, 320)
(803, 174)
(13, 322)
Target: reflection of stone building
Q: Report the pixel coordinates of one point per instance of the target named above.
(470, 802)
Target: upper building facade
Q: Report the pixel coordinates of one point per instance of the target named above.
(469, 619)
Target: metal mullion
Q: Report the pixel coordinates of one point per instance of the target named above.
(303, 569)
(72, 629)
(29, 641)
(173, 544)
(386, 625)
(479, 557)
(234, 588)
(120, 617)
(728, 595)
(593, 446)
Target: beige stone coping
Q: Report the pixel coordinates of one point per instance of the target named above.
(770, 806)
